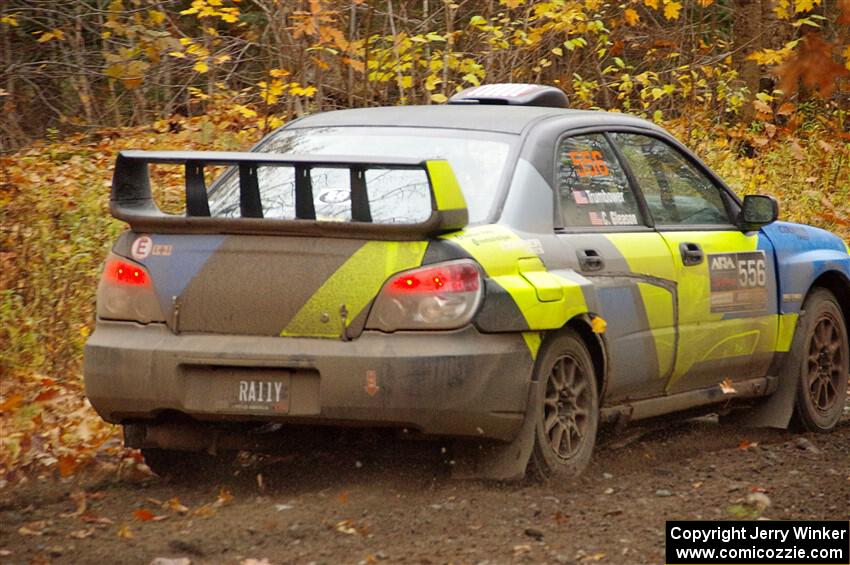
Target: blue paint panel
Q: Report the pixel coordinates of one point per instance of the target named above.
(632, 350)
(803, 253)
(172, 274)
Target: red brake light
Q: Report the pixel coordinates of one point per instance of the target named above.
(450, 277)
(126, 273)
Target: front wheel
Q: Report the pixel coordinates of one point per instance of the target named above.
(565, 431)
(820, 355)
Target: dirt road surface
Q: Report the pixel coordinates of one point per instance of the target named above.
(393, 502)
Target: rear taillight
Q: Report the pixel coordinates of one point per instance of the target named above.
(436, 297)
(122, 272)
(126, 292)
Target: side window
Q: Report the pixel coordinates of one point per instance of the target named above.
(592, 187)
(676, 192)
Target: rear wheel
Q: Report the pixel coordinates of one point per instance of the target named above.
(182, 465)
(820, 356)
(565, 431)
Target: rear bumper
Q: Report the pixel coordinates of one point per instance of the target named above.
(460, 383)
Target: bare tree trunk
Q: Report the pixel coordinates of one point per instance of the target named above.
(747, 38)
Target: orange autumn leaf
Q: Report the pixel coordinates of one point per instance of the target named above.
(11, 403)
(174, 505)
(143, 515)
(813, 66)
(48, 394)
(67, 465)
(844, 12)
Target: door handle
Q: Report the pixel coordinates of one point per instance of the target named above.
(691, 253)
(590, 260)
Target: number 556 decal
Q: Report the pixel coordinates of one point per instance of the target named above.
(738, 282)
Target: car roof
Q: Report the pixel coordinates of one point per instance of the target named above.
(486, 117)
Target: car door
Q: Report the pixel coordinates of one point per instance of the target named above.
(605, 237)
(726, 288)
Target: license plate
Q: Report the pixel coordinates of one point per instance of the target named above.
(265, 395)
(237, 390)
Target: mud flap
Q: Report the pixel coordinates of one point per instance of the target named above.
(500, 461)
(776, 410)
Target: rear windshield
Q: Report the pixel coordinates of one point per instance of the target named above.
(396, 196)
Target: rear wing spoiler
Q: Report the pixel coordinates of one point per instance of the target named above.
(132, 200)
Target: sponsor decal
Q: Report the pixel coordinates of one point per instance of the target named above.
(738, 282)
(162, 250)
(611, 218)
(371, 387)
(589, 163)
(582, 197)
(141, 248)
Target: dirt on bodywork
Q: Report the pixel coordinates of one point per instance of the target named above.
(374, 501)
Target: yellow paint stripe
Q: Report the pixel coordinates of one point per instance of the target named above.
(499, 251)
(787, 327)
(447, 192)
(354, 284)
(533, 341)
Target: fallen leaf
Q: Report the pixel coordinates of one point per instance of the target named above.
(727, 387)
(67, 465)
(33, 528)
(92, 519)
(82, 534)
(204, 511)
(174, 505)
(745, 444)
(828, 147)
(598, 325)
(343, 497)
(143, 515)
(346, 527)
(11, 403)
(125, 532)
(761, 107)
(224, 497)
(48, 394)
(522, 548)
(593, 557)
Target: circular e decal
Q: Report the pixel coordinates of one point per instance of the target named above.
(141, 247)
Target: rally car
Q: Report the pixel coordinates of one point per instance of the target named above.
(499, 270)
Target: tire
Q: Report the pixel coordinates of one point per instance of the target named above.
(184, 465)
(821, 361)
(567, 421)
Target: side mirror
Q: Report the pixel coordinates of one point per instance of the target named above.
(758, 210)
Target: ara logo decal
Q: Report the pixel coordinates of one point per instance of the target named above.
(372, 387)
(722, 263)
(141, 248)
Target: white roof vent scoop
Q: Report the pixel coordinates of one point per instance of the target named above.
(512, 94)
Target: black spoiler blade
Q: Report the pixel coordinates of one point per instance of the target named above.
(132, 200)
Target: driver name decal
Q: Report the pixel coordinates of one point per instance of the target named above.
(738, 282)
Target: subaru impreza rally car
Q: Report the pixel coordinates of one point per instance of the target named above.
(500, 270)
